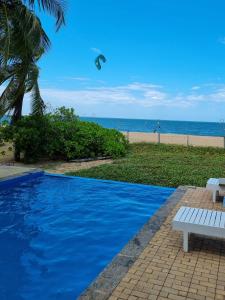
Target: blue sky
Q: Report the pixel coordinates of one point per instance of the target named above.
(165, 59)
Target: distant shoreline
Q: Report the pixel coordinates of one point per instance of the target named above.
(207, 129)
(166, 127)
(177, 139)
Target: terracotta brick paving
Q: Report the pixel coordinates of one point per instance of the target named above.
(164, 271)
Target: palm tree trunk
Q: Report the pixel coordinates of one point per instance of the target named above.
(17, 114)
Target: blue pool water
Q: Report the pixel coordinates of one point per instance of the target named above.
(57, 233)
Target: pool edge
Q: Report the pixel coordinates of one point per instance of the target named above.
(104, 284)
(9, 179)
(109, 181)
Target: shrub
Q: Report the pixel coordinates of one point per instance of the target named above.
(62, 135)
(92, 140)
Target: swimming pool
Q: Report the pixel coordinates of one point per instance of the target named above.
(57, 232)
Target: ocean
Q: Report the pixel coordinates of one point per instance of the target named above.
(176, 127)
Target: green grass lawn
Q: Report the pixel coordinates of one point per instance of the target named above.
(165, 165)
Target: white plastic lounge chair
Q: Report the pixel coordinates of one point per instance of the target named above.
(217, 186)
(199, 221)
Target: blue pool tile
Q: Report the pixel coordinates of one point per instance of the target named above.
(57, 232)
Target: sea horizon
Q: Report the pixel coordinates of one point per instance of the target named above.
(144, 119)
(200, 128)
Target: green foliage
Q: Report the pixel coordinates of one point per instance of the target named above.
(63, 114)
(3, 153)
(92, 140)
(164, 165)
(62, 135)
(22, 43)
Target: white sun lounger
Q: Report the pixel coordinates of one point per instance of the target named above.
(217, 186)
(199, 221)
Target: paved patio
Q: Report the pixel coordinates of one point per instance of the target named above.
(8, 171)
(163, 271)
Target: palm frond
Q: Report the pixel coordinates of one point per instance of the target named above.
(53, 7)
(37, 104)
(8, 98)
(6, 73)
(21, 33)
(22, 43)
(5, 35)
(32, 77)
(29, 36)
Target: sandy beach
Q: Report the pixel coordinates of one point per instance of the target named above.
(178, 139)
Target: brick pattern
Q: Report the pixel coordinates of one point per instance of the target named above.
(163, 271)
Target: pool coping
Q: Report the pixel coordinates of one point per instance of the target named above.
(104, 284)
(23, 173)
(8, 180)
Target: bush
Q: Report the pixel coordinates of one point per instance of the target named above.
(62, 135)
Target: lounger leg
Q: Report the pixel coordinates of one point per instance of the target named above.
(185, 241)
(215, 195)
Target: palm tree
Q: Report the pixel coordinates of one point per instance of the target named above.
(22, 43)
(54, 7)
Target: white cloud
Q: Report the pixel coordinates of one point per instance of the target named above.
(218, 95)
(135, 96)
(96, 50)
(195, 88)
(138, 94)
